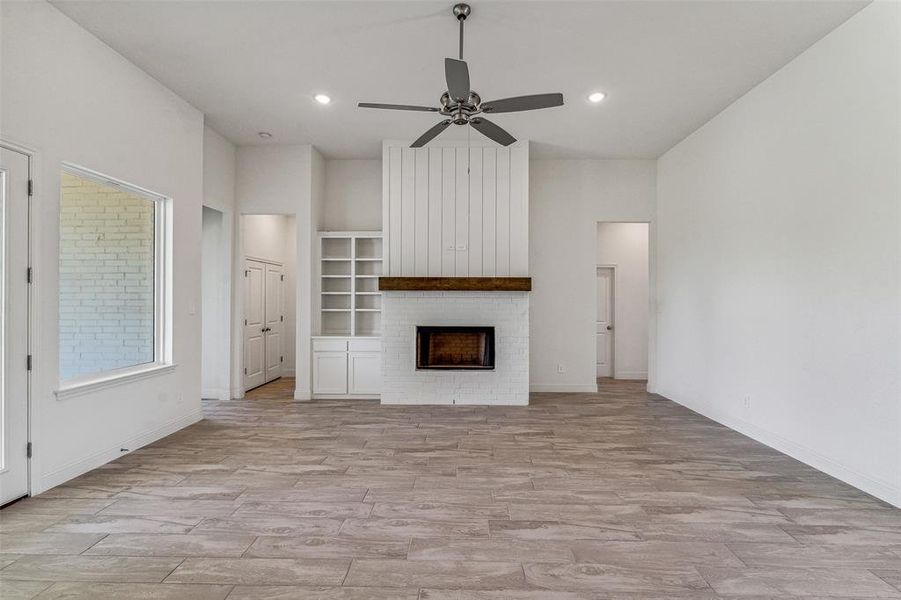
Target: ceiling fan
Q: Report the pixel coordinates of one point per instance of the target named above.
(464, 107)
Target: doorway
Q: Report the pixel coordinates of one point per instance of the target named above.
(15, 359)
(623, 299)
(268, 299)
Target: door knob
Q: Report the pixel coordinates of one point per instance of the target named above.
(609, 327)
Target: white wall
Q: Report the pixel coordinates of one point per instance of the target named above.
(72, 98)
(215, 270)
(778, 259)
(625, 247)
(353, 196)
(283, 180)
(452, 213)
(567, 198)
(274, 238)
(218, 256)
(218, 171)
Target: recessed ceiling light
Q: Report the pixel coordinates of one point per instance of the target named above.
(264, 134)
(322, 99)
(596, 97)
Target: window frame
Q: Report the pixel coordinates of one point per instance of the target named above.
(162, 293)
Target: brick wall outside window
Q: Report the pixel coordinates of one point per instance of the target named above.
(106, 270)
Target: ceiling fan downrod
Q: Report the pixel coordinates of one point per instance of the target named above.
(461, 11)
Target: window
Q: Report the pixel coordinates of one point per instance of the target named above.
(112, 278)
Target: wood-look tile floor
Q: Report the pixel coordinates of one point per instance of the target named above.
(612, 495)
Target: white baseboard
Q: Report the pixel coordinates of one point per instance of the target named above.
(98, 459)
(566, 388)
(215, 393)
(880, 489)
(345, 396)
(302, 395)
(630, 375)
(288, 372)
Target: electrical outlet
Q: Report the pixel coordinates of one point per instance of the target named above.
(746, 402)
(561, 368)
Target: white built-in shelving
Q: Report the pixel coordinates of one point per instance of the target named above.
(349, 267)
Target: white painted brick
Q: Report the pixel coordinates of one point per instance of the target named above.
(106, 278)
(508, 383)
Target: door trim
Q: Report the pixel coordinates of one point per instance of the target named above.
(31, 318)
(263, 260)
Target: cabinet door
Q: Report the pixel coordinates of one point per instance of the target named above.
(365, 372)
(329, 372)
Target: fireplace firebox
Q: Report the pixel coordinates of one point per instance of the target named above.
(462, 348)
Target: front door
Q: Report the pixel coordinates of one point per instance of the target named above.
(13, 325)
(604, 324)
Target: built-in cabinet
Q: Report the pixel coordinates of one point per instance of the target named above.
(346, 348)
(347, 367)
(456, 211)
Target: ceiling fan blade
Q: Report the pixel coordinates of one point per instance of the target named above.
(493, 131)
(397, 107)
(519, 103)
(457, 74)
(427, 137)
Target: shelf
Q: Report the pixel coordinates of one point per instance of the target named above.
(445, 284)
(350, 265)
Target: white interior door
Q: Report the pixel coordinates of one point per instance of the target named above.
(13, 325)
(274, 321)
(254, 323)
(604, 324)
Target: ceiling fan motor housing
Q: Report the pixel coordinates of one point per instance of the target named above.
(460, 112)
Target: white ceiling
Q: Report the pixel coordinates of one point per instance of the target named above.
(667, 66)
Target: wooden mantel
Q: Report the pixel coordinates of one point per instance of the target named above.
(454, 284)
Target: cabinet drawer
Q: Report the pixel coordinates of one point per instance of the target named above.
(366, 345)
(321, 345)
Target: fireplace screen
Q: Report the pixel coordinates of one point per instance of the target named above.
(455, 348)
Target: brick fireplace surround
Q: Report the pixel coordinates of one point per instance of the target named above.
(506, 311)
